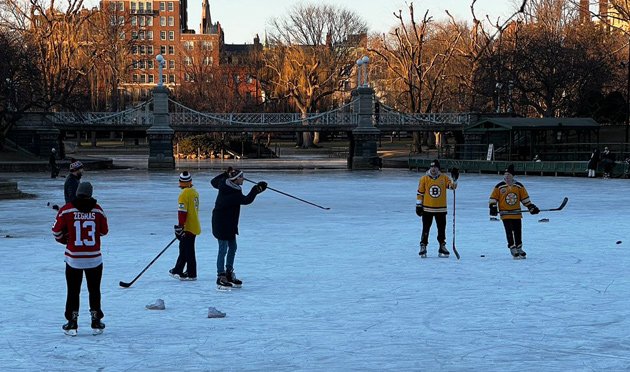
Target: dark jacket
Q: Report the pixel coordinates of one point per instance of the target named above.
(592, 162)
(70, 187)
(227, 207)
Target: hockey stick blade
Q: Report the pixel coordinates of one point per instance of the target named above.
(455, 251)
(124, 285)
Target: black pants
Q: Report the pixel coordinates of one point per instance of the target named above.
(513, 232)
(186, 256)
(74, 277)
(427, 221)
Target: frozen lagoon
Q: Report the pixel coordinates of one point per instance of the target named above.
(339, 290)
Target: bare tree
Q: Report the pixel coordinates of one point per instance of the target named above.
(313, 49)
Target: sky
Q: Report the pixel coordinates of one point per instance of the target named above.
(243, 19)
(326, 290)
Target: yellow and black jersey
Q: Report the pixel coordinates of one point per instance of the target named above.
(509, 199)
(188, 202)
(432, 193)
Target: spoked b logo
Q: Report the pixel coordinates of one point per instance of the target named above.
(435, 191)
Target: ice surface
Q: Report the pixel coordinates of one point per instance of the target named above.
(341, 290)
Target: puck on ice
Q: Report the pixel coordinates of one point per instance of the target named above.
(483, 255)
(618, 241)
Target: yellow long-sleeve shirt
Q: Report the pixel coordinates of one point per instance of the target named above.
(188, 202)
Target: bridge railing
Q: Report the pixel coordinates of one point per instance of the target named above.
(138, 115)
(289, 119)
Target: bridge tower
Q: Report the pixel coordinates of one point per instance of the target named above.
(160, 134)
(363, 142)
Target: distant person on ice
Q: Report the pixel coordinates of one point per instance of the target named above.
(506, 199)
(187, 229)
(592, 163)
(431, 203)
(608, 162)
(52, 161)
(79, 226)
(225, 216)
(72, 181)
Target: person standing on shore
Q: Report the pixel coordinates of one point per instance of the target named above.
(225, 216)
(72, 181)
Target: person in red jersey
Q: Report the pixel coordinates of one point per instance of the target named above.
(79, 226)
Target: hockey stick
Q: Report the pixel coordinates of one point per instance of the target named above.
(291, 196)
(127, 285)
(564, 202)
(454, 249)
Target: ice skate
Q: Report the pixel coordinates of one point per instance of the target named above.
(423, 250)
(223, 284)
(70, 328)
(521, 252)
(231, 277)
(515, 253)
(443, 252)
(97, 326)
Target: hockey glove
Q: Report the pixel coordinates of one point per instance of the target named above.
(493, 210)
(262, 186)
(419, 210)
(455, 174)
(179, 231)
(533, 209)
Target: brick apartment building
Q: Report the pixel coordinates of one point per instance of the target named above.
(161, 27)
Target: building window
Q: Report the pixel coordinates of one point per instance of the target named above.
(150, 78)
(149, 21)
(162, 21)
(142, 21)
(150, 62)
(171, 35)
(207, 61)
(171, 79)
(141, 35)
(134, 49)
(170, 6)
(149, 35)
(121, 20)
(112, 7)
(162, 6)
(171, 21)
(133, 7)
(134, 21)
(134, 64)
(142, 64)
(112, 20)
(143, 78)
(140, 7)
(171, 63)
(134, 78)
(121, 35)
(207, 45)
(165, 78)
(121, 6)
(162, 49)
(149, 6)
(189, 45)
(134, 35)
(188, 61)
(171, 49)
(143, 50)
(150, 50)
(162, 35)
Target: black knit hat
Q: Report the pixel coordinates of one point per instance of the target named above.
(234, 174)
(435, 163)
(185, 179)
(84, 190)
(510, 169)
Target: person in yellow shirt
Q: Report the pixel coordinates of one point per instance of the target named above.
(506, 199)
(431, 203)
(187, 229)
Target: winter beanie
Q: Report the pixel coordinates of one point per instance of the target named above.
(185, 179)
(234, 174)
(435, 163)
(84, 190)
(75, 166)
(510, 169)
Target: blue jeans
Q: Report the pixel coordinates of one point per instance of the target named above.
(226, 247)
